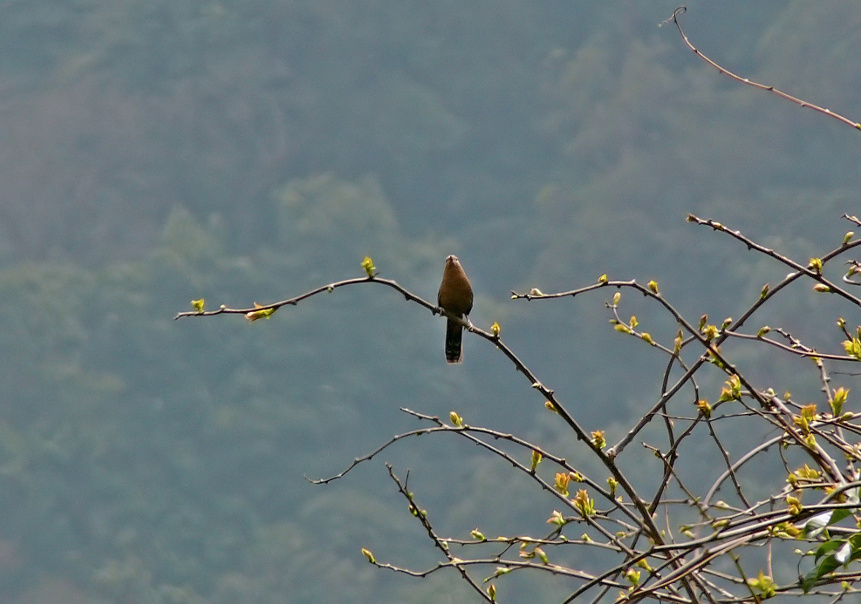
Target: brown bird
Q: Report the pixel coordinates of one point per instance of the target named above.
(455, 296)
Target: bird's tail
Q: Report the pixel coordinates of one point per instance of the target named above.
(453, 342)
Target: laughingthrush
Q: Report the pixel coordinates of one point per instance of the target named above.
(455, 296)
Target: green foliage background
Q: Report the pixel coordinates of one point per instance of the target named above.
(162, 150)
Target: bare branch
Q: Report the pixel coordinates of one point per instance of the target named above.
(682, 10)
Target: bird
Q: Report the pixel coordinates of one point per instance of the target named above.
(455, 296)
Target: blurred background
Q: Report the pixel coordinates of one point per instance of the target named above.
(156, 151)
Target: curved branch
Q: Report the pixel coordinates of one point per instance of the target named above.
(682, 10)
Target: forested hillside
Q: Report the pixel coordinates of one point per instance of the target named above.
(159, 151)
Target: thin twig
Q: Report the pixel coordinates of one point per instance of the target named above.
(804, 104)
